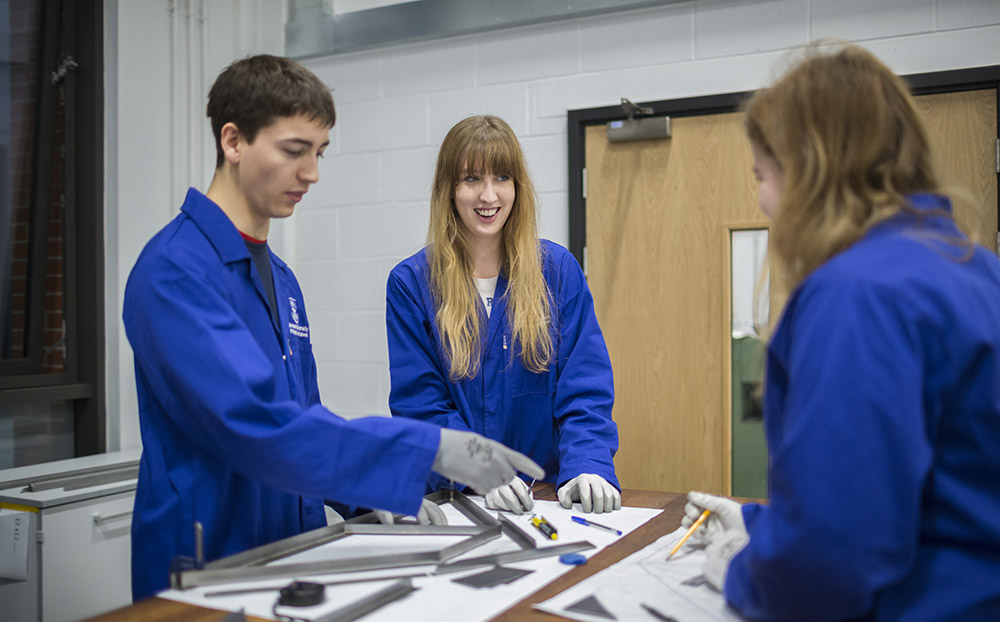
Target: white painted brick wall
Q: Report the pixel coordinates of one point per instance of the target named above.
(509, 102)
(940, 51)
(427, 68)
(553, 221)
(354, 332)
(887, 18)
(967, 14)
(728, 28)
(343, 180)
(395, 105)
(688, 79)
(345, 284)
(540, 124)
(323, 332)
(380, 125)
(406, 175)
(356, 81)
(547, 161)
(354, 389)
(382, 231)
(316, 234)
(527, 54)
(637, 39)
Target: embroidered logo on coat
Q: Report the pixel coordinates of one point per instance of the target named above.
(296, 329)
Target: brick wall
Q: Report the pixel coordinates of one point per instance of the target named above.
(24, 23)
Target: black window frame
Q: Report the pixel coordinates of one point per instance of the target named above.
(79, 28)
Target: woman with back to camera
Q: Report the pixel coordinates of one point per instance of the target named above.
(882, 390)
(492, 329)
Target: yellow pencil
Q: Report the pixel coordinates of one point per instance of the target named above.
(697, 524)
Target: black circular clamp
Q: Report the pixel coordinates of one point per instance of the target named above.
(301, 594)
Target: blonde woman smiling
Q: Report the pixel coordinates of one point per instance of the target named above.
(493, 330)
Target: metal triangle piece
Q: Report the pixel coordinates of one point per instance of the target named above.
(592, 606)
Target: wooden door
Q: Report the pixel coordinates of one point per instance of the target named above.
(655, 213)
(659, 214)
(963, 132)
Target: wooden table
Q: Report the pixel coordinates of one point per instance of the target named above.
(672, 504)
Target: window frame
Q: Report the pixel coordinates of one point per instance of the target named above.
(80, 36)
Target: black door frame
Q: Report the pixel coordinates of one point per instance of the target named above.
(951, 81)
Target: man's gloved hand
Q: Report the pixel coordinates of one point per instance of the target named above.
(479, 462)
(513, 496)
(593, 492)
(726, 515)
(429, 514)
(723, 531)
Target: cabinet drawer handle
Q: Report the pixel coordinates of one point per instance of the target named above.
(100, 520)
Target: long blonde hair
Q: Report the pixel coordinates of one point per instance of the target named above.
(486, 143)
(847, 136)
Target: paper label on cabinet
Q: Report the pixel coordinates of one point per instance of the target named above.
(14, 528)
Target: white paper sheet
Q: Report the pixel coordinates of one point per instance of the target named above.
(676, 588)
(14, 528)
(438, 598)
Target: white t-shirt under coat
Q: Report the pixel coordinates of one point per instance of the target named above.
(487, 288)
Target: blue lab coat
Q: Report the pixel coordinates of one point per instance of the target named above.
(882, 416)
(561, 419)
(233, 432)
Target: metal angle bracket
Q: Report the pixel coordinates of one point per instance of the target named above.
(529, 549)
(513, 556)
(515, 533)
(364, 606)
(251, 565)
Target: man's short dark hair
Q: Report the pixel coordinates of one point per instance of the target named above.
(256, 91)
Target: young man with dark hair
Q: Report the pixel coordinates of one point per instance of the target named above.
(234, 435)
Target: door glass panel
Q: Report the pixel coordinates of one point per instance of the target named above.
(750, 304)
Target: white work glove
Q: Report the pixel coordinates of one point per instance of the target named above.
(726, 515)
(429, 514)
(724, 532)
(479, 462)
(593, 492)
(513, 496)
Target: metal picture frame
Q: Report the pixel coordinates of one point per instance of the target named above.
(252, 565)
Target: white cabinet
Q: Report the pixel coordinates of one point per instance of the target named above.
(84, 563)
(79, 558)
